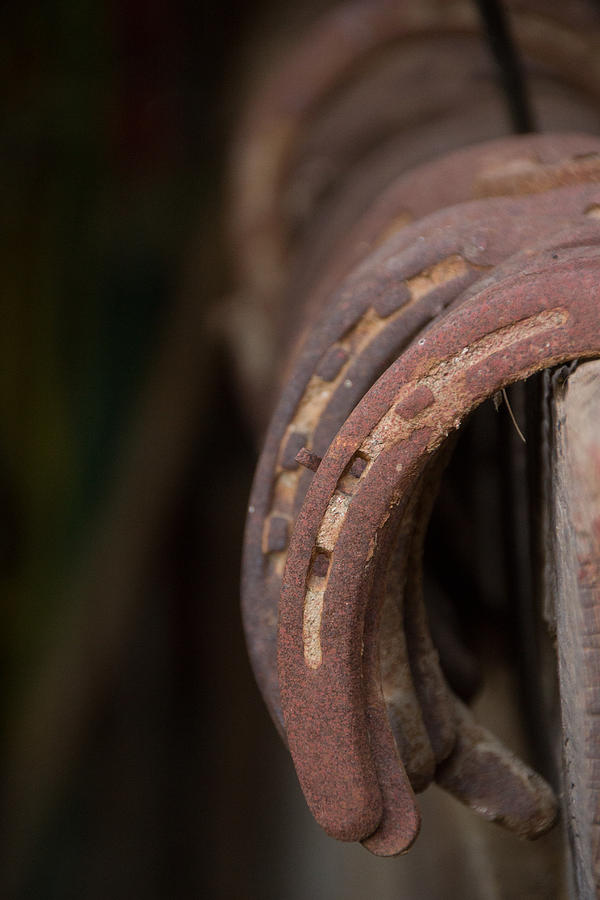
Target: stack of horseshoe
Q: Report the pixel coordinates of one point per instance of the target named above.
(404, 260)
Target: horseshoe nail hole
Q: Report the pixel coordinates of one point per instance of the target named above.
(358, 465)
(320, 564)
(593, 211)
(420, 399)
(390, 301)
(348, 483)
(332, 362)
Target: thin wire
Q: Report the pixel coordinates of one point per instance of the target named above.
(506, 54)
(512, 415)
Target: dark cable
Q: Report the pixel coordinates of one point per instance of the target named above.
(506, 55)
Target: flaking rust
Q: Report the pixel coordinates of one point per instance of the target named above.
(455, 279)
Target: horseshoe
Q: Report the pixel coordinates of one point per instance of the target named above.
(370, 319)
(541, 311)
(365, 282)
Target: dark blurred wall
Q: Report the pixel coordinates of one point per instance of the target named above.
(132, 722)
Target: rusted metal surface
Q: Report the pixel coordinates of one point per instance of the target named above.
(319, 406)
(372, 316)
(523, 322)
(414, 297)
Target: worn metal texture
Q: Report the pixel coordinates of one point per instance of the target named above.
(544, 312)
(321, 392)
(375, 312)
(412, 297)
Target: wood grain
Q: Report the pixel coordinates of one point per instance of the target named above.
(575, 549)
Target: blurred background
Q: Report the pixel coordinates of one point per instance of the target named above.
(138, 758)
(133, 730)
